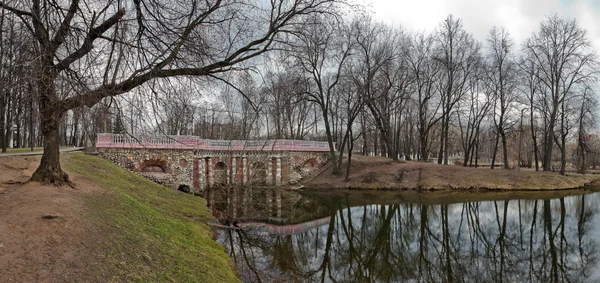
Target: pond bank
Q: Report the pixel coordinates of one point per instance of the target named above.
(112, 226)
(377, 173)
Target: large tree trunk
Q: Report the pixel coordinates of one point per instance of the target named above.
(440, 157)
(495, 151)
(350, 147)
(563, 156)
(49, 171)
(505, 149)
(533, 137)
(446, 142)
(3, 123)
(336, 168)
(548, 145)
(423, 155)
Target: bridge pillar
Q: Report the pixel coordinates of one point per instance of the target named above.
(202, 174)
(196, 175)
(278, 171)
(244, 170)
(269, 171)
(209, 172)
(278, 203)
(233, 170)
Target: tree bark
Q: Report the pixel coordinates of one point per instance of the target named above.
(504, 149)
(533, 137)
(49, 171)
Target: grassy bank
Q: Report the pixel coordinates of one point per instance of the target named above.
(382, 173)
(154, 233)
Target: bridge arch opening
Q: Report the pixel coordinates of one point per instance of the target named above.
(185, 189)
(311, 163)
(220, 173)
(153, 166)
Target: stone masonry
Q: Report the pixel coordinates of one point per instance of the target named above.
(191, 164)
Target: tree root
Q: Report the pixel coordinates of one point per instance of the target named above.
(47, 177)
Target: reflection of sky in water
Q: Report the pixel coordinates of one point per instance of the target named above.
(411, 242)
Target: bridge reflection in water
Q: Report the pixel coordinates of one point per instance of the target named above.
(509, 240)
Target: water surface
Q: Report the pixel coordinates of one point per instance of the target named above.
(410, 236)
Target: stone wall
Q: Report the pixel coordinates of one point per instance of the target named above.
(302, 164)
(196, 170)
(177, 164)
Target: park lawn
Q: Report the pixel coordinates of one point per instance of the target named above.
(152, 233)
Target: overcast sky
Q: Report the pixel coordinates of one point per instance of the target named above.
(520, 17)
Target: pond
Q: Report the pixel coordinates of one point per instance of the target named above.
(288, 236)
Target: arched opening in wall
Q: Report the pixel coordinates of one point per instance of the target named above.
(220, 173)
(311, 163)
(153, 166)
(258, 174)
(185, 189)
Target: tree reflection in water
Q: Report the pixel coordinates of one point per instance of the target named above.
(491, 241)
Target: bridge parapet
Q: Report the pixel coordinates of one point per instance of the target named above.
(193, 142)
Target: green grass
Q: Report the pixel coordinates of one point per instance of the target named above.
(156, 234)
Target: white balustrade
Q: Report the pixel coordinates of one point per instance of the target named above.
(192, 142)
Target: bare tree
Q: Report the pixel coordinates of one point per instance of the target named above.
(321, 52)
(457, 53)
(588, 106)
(149, 41)
(375, 72)
(531, 88)
(288, 104)
(424, 71)
(563, 57)
(470, 120)
(501, 82)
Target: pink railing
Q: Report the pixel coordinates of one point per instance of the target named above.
(286, 229)
(192, 142)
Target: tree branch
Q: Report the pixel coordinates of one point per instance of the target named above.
(87, 45)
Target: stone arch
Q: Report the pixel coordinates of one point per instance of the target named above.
(185, 189)
(220, 165)
(153, 166)
(220, 173)
(258, 173)
(310, 163)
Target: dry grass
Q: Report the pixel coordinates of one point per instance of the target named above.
(382, 173)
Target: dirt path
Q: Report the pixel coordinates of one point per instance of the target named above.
(43, 237)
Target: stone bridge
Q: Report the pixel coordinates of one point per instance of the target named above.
(191, 164)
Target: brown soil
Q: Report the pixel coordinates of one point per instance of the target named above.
(383, 173)
(43, 237)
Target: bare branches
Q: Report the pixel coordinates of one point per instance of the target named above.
(60, 35)
(15, 10)
(87, 45)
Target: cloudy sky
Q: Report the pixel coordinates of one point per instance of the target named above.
(520, 17)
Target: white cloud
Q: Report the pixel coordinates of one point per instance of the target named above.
(520, 17)
(588, 18)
